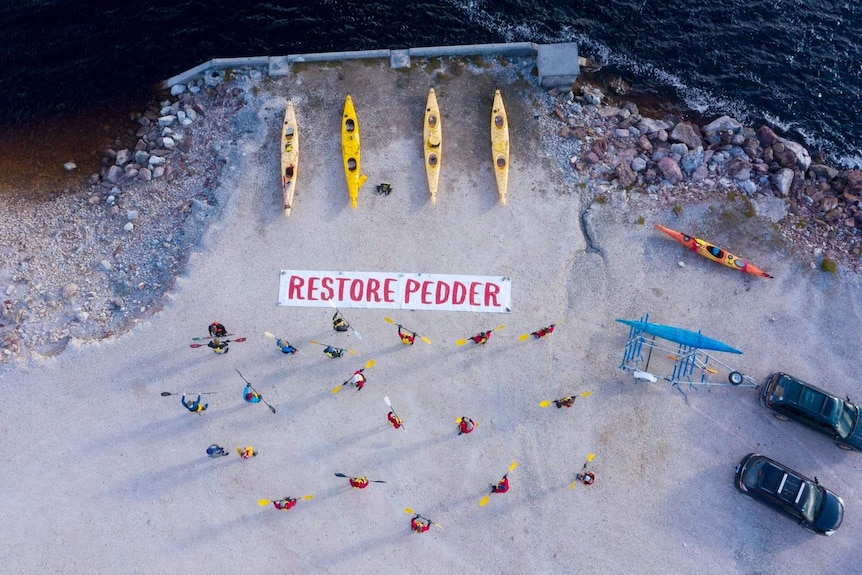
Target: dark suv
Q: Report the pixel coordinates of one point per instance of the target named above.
(792, 398)
(815, 507)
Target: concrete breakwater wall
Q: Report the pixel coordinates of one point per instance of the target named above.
(557, 63)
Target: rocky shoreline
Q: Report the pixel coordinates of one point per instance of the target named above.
(90, 263)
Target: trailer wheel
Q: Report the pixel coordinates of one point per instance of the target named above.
(735, 378)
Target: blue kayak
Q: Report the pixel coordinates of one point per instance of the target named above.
(679, 335)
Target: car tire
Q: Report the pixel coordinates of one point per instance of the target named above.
(735, 378)
(844, 447)
(781, 417)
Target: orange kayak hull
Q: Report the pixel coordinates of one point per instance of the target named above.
(714, 253)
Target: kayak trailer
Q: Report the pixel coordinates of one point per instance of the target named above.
(691, 355)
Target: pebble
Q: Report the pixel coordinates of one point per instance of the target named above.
(69, 166)
(129, 227)
(132, 215)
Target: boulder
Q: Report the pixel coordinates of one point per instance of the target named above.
(114, 174)
(738, 168)
(652, 126)
(782, 180)
(822, 172)
(124, 156)
(766, 136)
(800, 154)
(688, 134)
(752, 148)
(626, 177)
(692, 160)
(723, 124)
(165, 121)
(670, 169)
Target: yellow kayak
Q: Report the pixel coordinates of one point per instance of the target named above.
(433, 138)
(500, 145)
(350, 151)
(289, 157)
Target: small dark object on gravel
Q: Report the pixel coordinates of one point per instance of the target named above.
(384, 189)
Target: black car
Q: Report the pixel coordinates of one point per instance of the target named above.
(792, 398)
(815, 507)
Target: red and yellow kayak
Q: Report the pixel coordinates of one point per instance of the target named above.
(714, 253)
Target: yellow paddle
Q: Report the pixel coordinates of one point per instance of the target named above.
(265, 502)
(369, 363)
(484, 501)
(422, 337)
(547, 402)
(590, 457)
(350, 351)
(461, 342)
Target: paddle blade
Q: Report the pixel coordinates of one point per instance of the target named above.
(166, 393)
(337, 389)
(407, 509)
(484, 501)
(316, 342)
(499, 327)
(425, 339)
(386, 401)
(513, 466)
(269, 335)
(585, 394)
(590, 457)
(545, 403)
(263, 502)
(369, 363)
(352, 352)
(458, 420)
(523, 336)
(308, 497)
(271, 408)
(357, 334)
(340, 475)
(238, 339)
(438, 526)
(459, 342)
(573, 483)
(390, 320)
(195, 344)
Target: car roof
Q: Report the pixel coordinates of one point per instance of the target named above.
(809, 398)
(779, 481)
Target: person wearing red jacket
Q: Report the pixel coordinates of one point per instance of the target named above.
(466, 425)
(482, 337)
(418, 525)
(217, 330)
(502, 486)
(407, 337)
(285, 504)
(543, 332)
(394, 420)
(359, 482)
(358, 379)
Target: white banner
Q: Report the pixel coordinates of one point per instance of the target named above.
(389, 290)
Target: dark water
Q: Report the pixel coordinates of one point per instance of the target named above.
(73, 67)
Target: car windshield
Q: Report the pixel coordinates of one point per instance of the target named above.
(813, 501)
(847, 420)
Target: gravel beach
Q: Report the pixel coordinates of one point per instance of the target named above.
(106, 475)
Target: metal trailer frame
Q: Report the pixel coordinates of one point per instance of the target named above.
(691, 365)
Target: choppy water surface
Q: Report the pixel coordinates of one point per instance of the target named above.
(796, 65)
